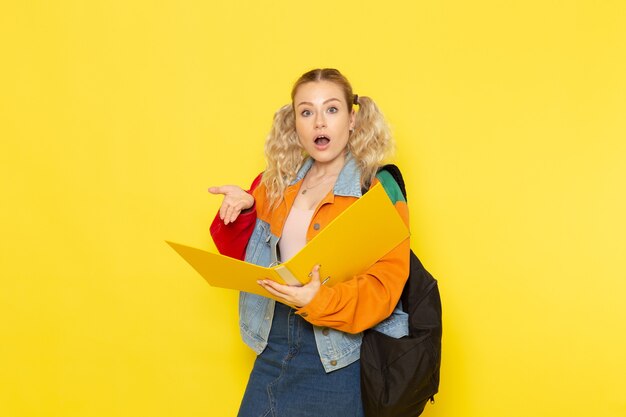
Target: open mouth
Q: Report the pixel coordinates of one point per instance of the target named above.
(322, 140)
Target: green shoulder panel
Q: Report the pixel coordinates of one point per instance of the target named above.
(391, 187)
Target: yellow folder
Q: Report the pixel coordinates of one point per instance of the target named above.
(362, 234)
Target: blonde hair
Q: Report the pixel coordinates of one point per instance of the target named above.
(370, 142)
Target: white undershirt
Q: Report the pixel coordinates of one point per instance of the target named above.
(294, 232)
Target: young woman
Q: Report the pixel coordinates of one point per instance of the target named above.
(320, 153)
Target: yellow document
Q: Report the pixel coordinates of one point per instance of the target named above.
(357, 238)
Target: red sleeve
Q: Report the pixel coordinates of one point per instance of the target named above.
(232, 239)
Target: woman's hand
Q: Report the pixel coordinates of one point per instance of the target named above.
(235, 200)
(294, 296)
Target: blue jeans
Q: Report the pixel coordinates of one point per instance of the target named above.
(288, 379)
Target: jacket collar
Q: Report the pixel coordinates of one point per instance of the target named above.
(348, 182)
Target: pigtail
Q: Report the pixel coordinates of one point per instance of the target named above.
(283, 153)
(371, 141)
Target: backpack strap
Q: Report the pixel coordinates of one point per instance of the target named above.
(394, 171)
(397, 175)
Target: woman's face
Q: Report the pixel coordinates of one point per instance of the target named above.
(323, 121)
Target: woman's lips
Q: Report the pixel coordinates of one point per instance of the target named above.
(321, 142)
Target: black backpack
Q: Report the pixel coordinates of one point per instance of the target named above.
(399, 376)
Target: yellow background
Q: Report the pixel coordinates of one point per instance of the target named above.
(115, 116)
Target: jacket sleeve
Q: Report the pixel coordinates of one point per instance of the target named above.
(365, 300)
(232, 239)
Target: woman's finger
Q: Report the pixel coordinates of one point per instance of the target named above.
(284, 291)
(223, 209)
(315, 274)
(234, 214)
(266, 285)
(229, 215)
(217, 190)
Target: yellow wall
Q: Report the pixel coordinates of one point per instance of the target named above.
(116, 116)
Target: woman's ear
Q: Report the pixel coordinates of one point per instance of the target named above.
(352, 119)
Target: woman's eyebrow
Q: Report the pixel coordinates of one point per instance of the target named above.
(310, 104)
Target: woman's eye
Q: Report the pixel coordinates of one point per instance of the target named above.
(306, 113)
(333, 110)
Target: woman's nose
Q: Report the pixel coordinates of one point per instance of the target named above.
(320, 120)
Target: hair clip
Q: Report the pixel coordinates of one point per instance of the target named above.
(356, 99)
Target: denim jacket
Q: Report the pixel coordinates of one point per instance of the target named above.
(337, 349)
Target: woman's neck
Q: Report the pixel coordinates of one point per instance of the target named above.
(326, 169)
